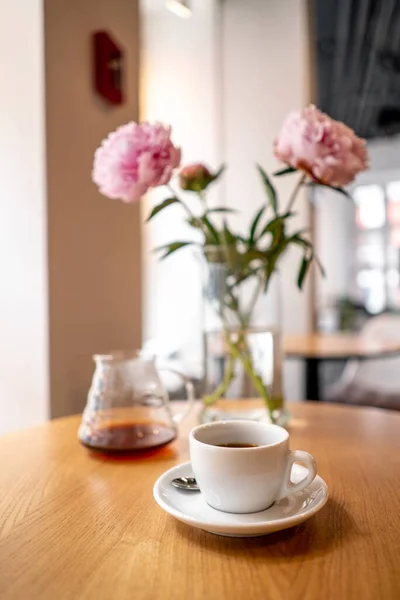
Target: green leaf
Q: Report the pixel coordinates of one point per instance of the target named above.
(307, 245)
(297, 239)
(304, 267)
(173, 247)
(331, 187)
(275, 223)
(270, 269)
(277, 249)
(221, 209)
(269, 188)
(212, 236)
(255, 254)
(254, 225)
(320, 266)
(161, 206)
(271, 227)
(284, 171)
(276, 228)
(229, 237)
(300, 232)
(233, 256)
(219, 172)
(240, 238)
(246, 275)
(340, 190)
(194, 222)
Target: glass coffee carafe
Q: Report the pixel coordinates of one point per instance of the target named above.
(128, 407)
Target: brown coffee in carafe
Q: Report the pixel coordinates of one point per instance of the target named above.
(128, 437)
(127, 407)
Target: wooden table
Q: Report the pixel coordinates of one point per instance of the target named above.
(316, 347)
(79, 527)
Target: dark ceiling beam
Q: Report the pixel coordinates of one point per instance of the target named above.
(381, 16)
(358, 63)
(339, 67)
(355, 58)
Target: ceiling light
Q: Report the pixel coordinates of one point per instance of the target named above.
(179, 7)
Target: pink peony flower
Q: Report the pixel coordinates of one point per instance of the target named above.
(327, 150)
(195, 177)
(134, 158)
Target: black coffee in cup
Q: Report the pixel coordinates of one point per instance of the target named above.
(235, 445)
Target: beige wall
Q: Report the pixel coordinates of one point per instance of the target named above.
(94, 243)
(23, 270)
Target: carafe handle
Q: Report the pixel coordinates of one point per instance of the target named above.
(189, 393)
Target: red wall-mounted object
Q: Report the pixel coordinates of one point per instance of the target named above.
(108, 68)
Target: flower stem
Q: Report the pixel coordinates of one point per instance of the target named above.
(185, 206)
(295, 192)
(241, 352)
(203, 200)
(229, 375)
(253, 302)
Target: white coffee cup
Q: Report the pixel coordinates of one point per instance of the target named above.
(250, 479)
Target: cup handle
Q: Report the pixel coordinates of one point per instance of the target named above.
(189, 393)
(289, 488)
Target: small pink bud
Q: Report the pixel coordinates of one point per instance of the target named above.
(195, 177)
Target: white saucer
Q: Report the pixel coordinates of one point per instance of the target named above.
(190, 508)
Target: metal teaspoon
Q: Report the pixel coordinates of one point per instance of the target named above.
(186, 483)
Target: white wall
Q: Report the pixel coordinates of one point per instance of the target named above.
(384, 154)
(225, 79)
(333, 227)
(180, 86)
(23, 299)
(265, 66)
(335, 216)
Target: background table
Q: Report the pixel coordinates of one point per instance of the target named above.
(317, 347)
(76, 526)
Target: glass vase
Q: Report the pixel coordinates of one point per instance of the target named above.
(242, 346)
